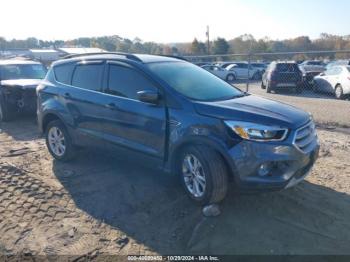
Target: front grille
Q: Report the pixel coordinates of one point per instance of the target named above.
(305, 137)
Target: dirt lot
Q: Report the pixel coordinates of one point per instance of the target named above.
(110, 204)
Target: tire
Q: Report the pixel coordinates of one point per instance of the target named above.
(262, 85)
(5, 114)
(211, 170)
(230, 77)
(268, 88)
(339, 93)
(315, 87)
(69, 151)
(298, 90)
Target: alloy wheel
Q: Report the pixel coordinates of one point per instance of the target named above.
(57, 141)
(194, 176)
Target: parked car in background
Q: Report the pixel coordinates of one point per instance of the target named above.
(243, 70)
(259, 66)
(224, 64)
(335, 80)
(338, 63)
(310, 69)
(282, 75)
(313, 65)
(18, 81)
(224, 74)
(182, 118)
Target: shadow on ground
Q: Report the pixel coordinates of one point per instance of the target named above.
(21, 128)
(151, 207)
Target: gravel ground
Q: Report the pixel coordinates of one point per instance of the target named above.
(104, 204)
(324, 107)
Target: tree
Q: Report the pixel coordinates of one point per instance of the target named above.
(220, 46)
(197, 48)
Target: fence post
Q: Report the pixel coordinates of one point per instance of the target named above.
(248, 76)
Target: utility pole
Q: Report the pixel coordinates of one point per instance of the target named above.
(208, 42)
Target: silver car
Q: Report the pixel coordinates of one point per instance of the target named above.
(221, 72)
(335, 80)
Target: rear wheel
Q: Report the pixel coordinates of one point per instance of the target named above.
(262, 85)
(59, 142)
(339, 94)
(203, 174)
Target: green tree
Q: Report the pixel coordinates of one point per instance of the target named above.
(220, 46)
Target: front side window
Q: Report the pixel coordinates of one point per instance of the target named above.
(194, 82)
(22, 71)
(126, 82)
(88, 76)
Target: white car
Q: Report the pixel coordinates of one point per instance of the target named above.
(244, 71)
(335, 80)
(221, 72)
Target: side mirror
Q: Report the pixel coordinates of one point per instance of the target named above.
(148, 96)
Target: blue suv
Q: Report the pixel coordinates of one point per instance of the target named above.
(185, 119)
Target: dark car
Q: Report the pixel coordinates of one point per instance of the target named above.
(179, 116)
(18, 81)
(281, 76)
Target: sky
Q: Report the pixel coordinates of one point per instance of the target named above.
(169, 21)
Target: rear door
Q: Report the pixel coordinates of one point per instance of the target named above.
(85, 101)
(130, 122)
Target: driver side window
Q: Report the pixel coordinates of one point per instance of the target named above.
(125, 82)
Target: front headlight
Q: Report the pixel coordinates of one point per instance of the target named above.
(257, 132)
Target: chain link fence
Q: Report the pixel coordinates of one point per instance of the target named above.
(317, 81)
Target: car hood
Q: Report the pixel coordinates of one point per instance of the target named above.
(255, 109)
(24, 83)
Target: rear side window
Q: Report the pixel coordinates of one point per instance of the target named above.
(63, 73)
(88, 76)
(126, 82)
(286, 68)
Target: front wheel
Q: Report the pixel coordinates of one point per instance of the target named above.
(339, 94)
(58, 141)
(230, 78)
(203, 174)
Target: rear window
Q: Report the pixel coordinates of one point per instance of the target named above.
(287, 68)
(63, 73)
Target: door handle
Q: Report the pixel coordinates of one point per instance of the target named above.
(67, 95)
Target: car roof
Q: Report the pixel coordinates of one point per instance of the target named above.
(140, 58)
(18, 62)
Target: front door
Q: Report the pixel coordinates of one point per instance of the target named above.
(130, 122)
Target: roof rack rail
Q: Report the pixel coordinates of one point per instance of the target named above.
(175, 56)
(127, 55)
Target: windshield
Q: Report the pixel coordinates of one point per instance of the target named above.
(194, 82)
(22, 71)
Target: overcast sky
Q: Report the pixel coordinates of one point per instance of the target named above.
(172, 20)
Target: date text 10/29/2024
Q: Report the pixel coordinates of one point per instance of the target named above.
(173, 258)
